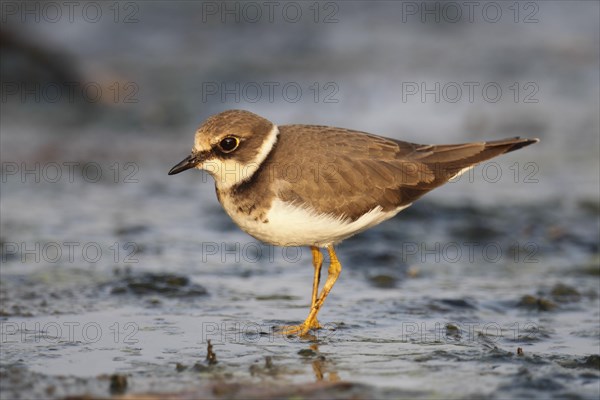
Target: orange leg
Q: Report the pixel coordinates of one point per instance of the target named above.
(317, 263)
(333, 273)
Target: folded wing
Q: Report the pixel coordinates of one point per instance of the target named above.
(357, 172)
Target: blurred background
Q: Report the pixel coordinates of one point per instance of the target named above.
(100, 99)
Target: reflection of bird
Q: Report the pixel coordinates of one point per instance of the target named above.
(307, 185)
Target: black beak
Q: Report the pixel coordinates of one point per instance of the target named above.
(189, 162)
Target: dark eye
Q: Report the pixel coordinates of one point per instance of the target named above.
(229, 144)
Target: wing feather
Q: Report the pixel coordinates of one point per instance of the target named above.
(350, 172)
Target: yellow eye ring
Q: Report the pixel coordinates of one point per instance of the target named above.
(229, 144)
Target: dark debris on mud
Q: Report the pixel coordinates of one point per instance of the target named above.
(164, 284)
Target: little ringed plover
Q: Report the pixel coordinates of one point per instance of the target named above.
(310, 185)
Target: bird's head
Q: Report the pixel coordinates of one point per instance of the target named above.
(230, 146)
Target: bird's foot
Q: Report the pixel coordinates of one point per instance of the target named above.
(301, 330)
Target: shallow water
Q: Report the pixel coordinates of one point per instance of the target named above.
(116, 276)
(400, 317)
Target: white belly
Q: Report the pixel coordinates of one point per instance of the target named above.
(290, 225)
